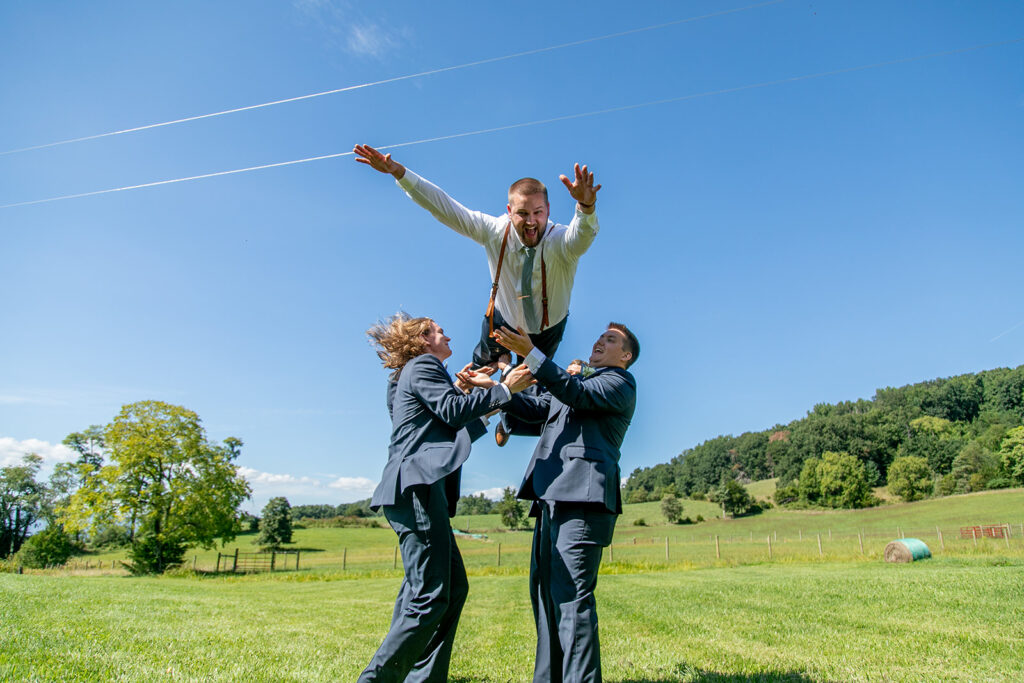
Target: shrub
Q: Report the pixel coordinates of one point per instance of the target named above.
(999, 483)
(640, 521)
(49, 547)
(700, 518)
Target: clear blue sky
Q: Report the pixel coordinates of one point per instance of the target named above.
(772, 247)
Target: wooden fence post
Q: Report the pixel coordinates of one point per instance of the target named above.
(1007, 529)
(942, 544)
(1006, 536)
(273, 559)
(830, 533)
(235, 567)
(819, 545)
(769, 546)
(297, 559)
(974, 532)
(611, 553)
(666, 548)
(195, 558)
(801, 533)
(217, 570)
(499, 554)
(860, 539)
(344, 558)
(718, 550)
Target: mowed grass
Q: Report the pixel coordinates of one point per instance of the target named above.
(844, 535)
(942, 619)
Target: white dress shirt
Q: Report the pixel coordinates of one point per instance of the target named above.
(561, 247)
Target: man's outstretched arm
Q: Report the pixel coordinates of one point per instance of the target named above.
(477, 226)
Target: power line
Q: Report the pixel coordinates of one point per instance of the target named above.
(609, 110)
(396, 79)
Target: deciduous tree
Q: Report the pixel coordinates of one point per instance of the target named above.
(910, 478)
(166, 479)
(275, 523)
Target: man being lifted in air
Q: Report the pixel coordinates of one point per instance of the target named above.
(532, 259)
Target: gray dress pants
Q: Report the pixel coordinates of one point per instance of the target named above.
(418, 645)
(567, 544)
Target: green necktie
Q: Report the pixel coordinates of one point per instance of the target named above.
(529, 309)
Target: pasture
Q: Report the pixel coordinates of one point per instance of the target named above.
(800, 616)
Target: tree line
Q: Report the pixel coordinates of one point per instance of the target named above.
(940, 437)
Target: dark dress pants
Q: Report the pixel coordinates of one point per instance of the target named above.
(488, 350)
(568, 540)
(418, 645)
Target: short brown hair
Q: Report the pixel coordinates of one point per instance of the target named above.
(632, 343)
(399, 339)
(528, 186)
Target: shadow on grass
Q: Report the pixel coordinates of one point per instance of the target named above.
(688, 674)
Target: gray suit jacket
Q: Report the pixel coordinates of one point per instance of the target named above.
(585, 421)
(432, 427)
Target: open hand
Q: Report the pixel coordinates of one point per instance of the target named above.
(582, 188)
(379, 162)
(468, 378)
(515, 341)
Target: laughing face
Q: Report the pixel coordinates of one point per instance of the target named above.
(437, 342)
(529, 214)
(609, 350)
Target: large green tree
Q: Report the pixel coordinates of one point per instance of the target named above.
(23, 502)
(164, 478)
(844, 481)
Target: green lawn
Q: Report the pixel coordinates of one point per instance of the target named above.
(942, 619)
(794, 534)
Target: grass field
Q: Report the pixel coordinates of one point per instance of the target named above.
(945, 619)
(714, 543)
(734, 615)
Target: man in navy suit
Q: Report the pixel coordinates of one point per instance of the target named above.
(433, 423)
(573, 481)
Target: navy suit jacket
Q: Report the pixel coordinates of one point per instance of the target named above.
(432, 427)
(585, 420)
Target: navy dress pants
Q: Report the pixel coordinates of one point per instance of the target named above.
(418, 645)
(568, 541)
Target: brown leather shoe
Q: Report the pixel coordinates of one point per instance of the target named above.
(500, 435)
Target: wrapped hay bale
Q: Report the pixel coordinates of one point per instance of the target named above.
(906, 550)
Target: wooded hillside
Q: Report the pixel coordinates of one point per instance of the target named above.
(966, 428)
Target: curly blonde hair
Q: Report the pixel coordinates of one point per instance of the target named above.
(399, 339)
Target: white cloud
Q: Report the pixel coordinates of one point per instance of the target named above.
(305, 490)
(370, 39)
(354, 484)
(12, 451)
(496, 493)
(349, 29)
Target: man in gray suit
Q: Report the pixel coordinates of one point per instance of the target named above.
(433, 424)
(573, 481)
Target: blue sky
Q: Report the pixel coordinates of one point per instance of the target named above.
(773, 247)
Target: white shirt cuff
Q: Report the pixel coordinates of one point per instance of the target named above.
(508, 392)
(534, 359)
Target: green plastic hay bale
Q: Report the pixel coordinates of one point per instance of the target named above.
(907, 550)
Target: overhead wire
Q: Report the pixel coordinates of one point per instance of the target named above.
(525, 124)
(421, 74)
